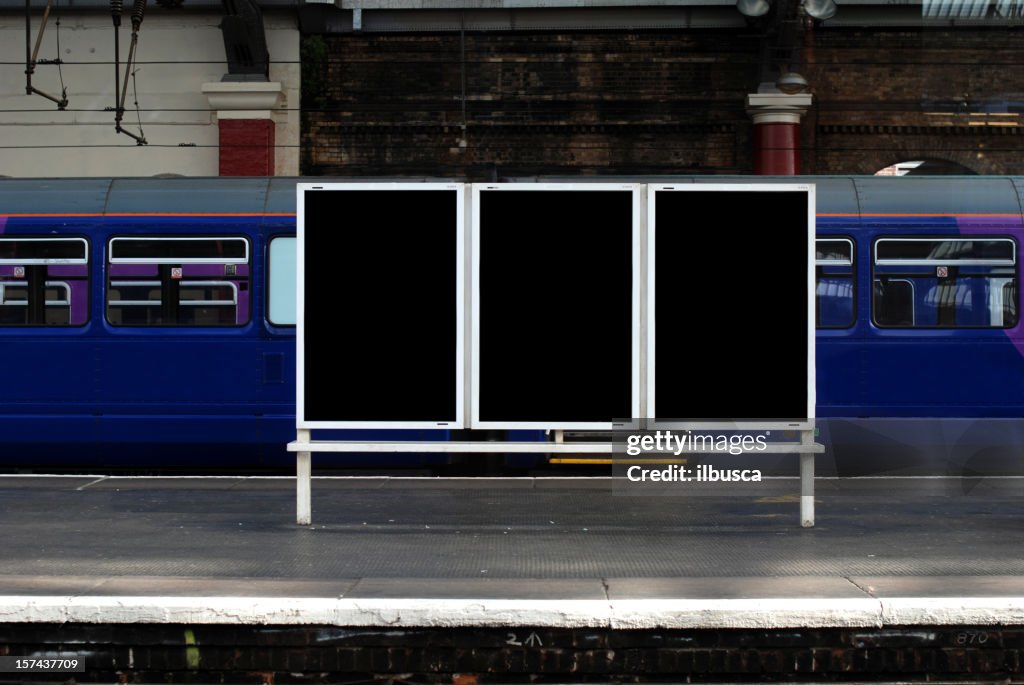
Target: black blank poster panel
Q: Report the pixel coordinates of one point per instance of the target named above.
(731, 305)
(555, 305)
(380, 305)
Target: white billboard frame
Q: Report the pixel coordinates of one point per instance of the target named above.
(650, 293)
(638, 207)
(460, 296)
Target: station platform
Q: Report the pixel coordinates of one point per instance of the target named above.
(519, 559)
(516, 551)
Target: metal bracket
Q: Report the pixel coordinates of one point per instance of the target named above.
(32, 55)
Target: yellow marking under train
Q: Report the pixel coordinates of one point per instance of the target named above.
(608, 460)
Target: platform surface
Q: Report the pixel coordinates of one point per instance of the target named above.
(496, 552)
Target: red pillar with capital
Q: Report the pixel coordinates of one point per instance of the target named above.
(246, 147)
(246, 125)
(777, 131)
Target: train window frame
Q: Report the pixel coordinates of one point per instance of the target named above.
(913, 304)
(4, 285)
(49, 280)
(940, 262)
(820, 263)
(911, 262)
(66, 302)
(111, 259)
(175, 283)
(270, 281)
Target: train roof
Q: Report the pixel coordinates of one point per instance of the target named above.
(133, 195)
(851, 195)
(193, 195)
(860, 195)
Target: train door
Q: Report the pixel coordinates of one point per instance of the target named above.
(277, 358)
(838, 350)
(943, 306)
(180, 365)
(46, 346)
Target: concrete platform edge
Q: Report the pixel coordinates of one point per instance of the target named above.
(451, 613)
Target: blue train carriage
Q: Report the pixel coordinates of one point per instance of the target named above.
(919, 335)
(150, 323)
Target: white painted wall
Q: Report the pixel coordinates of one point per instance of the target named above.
(282, 31)
(178, 52)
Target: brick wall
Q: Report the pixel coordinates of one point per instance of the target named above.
(264, 655)
(572, 103)
(246, 147)
(884, 96)
(653, 102)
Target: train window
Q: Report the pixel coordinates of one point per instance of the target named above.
(193, 281)
(179, 251)
(940, 251)
(945, 283)
(833, 267)
(281, 281)
(894, 301)
(44, 281)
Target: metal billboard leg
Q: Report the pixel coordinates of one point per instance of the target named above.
(807, 481)
(303, 487)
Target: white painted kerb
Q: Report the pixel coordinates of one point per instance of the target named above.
(562, 613)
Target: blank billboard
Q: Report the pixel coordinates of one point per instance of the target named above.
(381, 305)
(555, 305)
(730, 304)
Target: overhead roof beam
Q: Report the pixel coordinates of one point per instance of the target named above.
(321, 18)
(504, 4)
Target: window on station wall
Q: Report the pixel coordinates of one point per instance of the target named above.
(178, 281)
(945, 283)
(44, 281)
(281, 263)
(833, 267)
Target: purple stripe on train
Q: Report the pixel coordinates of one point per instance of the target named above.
(212, 270)
(988, 224)
(79, 302)
(68, 270)
(53, 271)
(996, 225)
(242, 313)
(126, 270)
(187, 271)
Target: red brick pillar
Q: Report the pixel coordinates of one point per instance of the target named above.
(245, 125)
(777, 132)
(246, 147)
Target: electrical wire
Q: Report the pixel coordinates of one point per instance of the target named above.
(135, 98)
(58, 61)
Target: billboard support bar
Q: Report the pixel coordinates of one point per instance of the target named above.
(304, 447)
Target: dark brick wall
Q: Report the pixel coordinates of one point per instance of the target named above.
(572, 103)
(264, 655)
(632, 103)
(878, 93)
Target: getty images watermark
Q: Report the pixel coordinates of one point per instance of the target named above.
(665, 461)
(663, 443)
